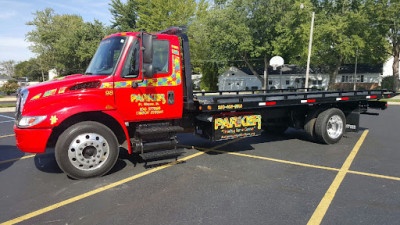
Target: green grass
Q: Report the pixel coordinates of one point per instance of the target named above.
(6, 105)
(390, 100)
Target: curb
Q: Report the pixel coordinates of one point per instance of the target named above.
(8, 109)
(393, 103)
(8, 99)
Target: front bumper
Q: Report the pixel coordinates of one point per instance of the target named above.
(32, 140)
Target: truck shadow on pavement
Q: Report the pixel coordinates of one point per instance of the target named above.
(246, 143)
(9, 152)
(47, 163)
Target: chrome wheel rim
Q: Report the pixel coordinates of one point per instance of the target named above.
(334, 127)
(88, 151)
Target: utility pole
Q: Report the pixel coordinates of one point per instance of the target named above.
(309, 49)
(355, 72)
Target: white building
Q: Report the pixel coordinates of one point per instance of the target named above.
(387, 67)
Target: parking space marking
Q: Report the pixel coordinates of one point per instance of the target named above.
(8, 117)
(323, 206)
(95, 191)
(278, 160)
(374, 175)
(109, 186)
(16, 159)
(8, 135)
(7, 121)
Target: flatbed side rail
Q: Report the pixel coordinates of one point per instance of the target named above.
(251, 99)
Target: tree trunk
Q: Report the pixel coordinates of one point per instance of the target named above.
(332, 77)
(42, 76)
(252, 69)
(266, 64)
(395, 66)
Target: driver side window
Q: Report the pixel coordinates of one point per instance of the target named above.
(132, 62)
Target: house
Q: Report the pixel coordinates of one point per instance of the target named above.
(293, 76)
(4, 79)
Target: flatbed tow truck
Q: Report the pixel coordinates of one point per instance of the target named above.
(137, 93)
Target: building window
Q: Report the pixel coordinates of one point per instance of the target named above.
(319, 82)
(270, 82)
(287, 82)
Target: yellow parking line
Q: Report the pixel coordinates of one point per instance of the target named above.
(323, 206)
(296, 163)
(93, 192)
(104, 188)
(374, 175)
(8, 135)
(16, 159)
(278, 160)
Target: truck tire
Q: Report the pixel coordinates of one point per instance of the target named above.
(309, 125)
(330, 126)
(86, 149)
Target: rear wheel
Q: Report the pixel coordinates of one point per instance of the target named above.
(86, 149)
(330, 126)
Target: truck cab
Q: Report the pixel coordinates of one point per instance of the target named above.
(134, 77)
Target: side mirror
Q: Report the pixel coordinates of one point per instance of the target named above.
(147, 70)
(147, 46)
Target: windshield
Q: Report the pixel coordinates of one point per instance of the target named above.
(106, 57)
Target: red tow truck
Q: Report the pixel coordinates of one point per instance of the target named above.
(137, 93)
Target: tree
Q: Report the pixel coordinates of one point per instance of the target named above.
(64, 42)
(341, 32)
(10, 87)
(209, 80)
(124, 15)
(242, 30)
(29, 69)
(385, 19)
(7, 68)
(156, 15)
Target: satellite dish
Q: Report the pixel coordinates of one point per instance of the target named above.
(276, 61)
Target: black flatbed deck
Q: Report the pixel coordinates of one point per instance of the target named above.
(228, 100)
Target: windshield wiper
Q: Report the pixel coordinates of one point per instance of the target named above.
(88, 73)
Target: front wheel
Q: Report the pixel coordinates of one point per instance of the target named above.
(330, 126)
(86, 149)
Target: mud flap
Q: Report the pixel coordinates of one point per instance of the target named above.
(353, 121)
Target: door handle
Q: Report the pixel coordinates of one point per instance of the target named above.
(171, 97)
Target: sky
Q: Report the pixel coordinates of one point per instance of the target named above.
(15, 13)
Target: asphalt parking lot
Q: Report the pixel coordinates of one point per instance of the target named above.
(261, 180)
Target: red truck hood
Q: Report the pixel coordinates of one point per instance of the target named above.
(61, 84)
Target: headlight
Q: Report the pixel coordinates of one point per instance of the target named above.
(28, 121)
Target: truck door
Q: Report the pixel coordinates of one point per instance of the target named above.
(156, 98)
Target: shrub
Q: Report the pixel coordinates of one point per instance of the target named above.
(11, 86)
(387, 83)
